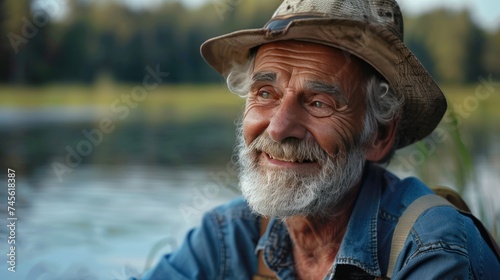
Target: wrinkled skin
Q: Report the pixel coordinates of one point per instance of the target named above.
(282, 113)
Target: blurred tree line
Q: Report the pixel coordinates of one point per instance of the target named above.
(107, 38)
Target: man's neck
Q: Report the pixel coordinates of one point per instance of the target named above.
(316, 242)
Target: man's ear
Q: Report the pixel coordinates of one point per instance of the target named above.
(383, 142)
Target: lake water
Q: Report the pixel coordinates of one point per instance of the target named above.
(101, 222)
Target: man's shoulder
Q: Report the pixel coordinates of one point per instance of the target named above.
(447, 238)
(450, 238)
(436, 224)
(443, 224)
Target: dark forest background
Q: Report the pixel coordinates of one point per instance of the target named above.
(111, 39)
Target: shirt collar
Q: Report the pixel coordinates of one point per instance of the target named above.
(359, 245)
(277, 249)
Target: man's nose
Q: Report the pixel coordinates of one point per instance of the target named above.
(288, 120)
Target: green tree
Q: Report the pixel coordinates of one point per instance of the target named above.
(491, 55)
(16, 14)
(451, 40)
(4, 45)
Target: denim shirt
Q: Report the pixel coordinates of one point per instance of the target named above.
(443, 244)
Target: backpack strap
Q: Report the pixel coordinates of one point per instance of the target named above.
(406, 221)
(452, 196)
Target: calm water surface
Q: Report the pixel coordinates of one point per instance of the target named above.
(101, 223)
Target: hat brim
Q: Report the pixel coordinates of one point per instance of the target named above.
(425, 104)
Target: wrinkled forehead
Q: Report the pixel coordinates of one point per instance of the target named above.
(300, 48)
(306, 59)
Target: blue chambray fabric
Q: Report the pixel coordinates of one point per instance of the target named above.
(443, 244)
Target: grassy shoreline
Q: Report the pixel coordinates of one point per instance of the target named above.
(201, 100)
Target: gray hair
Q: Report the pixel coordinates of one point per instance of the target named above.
(382, 107)
(239, 78)
(382, 104)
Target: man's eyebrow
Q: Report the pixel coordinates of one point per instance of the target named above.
(263, 77)
(321, 87)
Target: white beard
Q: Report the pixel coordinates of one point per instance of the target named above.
(283, 193)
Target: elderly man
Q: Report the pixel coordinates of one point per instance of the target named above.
(331, 91)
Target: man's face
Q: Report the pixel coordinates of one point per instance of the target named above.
(300, 150)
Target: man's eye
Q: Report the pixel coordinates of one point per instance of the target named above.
(319, 109)
(264, 94)
(318, 104)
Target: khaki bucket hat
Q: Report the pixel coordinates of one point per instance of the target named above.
(369, 29)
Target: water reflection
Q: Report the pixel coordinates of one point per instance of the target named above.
(33, 138)
(102, 222)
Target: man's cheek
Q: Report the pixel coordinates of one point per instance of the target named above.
(254, 124)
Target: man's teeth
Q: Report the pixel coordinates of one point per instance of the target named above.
(290, 160)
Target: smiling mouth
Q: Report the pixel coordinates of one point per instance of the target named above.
(291, 160)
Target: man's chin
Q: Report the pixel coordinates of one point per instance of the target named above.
(281, 213)
(280, 201)
(293, 195)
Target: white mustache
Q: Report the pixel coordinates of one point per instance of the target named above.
(290, 149)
